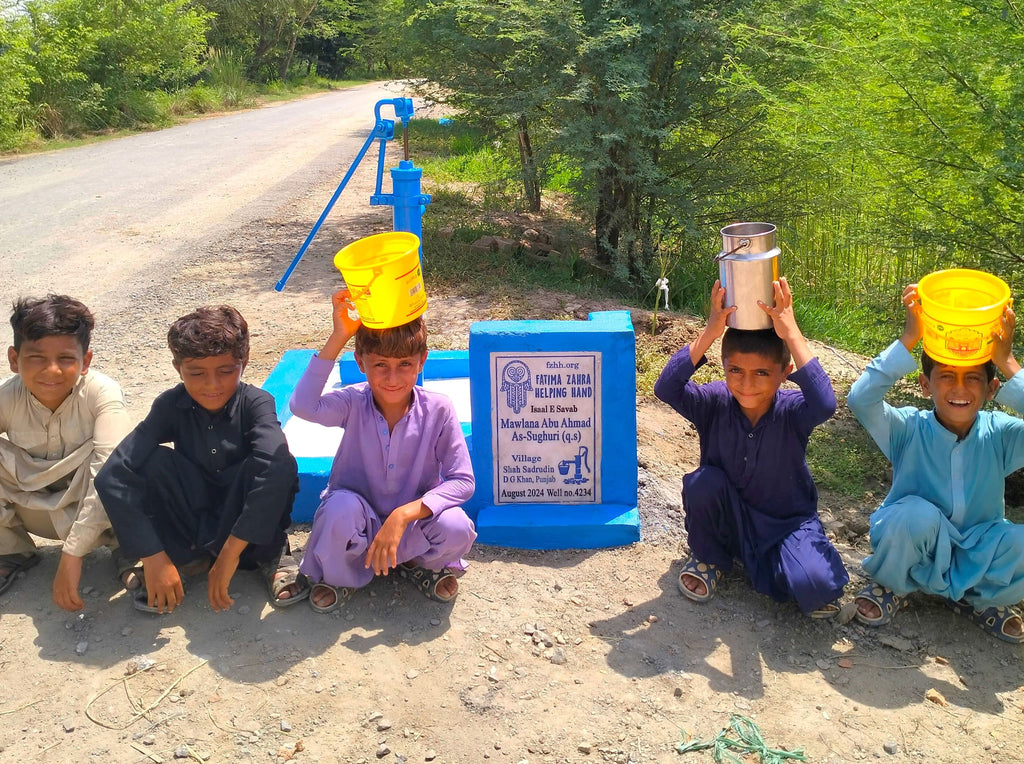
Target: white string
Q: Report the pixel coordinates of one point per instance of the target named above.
(662, 286)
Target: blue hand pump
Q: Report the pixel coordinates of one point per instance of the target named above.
(408, 203)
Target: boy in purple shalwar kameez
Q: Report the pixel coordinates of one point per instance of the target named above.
(753, 498)
(400, 475)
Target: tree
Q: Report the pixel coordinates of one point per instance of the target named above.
(914, 111)
(16, 77)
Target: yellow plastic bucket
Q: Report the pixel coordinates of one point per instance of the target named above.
(383, 274)
(960, 309)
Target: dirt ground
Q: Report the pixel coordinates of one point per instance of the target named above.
(545, 657)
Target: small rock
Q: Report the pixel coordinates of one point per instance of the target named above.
(412, 674)
(652, 618)
(896, 643)
(584, 748)
(374, 716)
(558, 656)
(847, 612)
(891, 747)
(68, 725)
(383, 750)
(181, 752)
(844, 663)
(529, 628)
(435, 621)
(87, 589)
(81, 647)
(244, 610)
(677, 692)
(823, 664)
(383, 724)
(149, 740)
(430, 755)
(126, 631)
(286, 726)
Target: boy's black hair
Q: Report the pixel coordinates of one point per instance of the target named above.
(33, 318)
(208, 331)
(762, 342)
(396, 342)
(928, 363)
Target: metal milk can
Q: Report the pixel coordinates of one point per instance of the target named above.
(747, 266)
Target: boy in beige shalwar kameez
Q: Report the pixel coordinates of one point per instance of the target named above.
(59, 421)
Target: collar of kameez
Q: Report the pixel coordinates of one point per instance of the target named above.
(64, 403)
(186, 403)
(948, 435)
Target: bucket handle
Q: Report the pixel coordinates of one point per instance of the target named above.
(743, 243)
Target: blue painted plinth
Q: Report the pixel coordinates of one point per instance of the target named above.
(546, 526)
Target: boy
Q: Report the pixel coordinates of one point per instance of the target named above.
(61, 420)
(752, 497)
(400, 475)
(941, 529)
(221, 498)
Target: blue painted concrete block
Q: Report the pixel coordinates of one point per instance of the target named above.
(554, 432)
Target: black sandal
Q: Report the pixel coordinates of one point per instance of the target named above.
(276, 583)
(426, 580)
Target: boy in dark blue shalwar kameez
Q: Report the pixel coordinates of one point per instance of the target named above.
(753, 498)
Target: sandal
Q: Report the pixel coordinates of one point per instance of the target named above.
(831, 610)
(129, 572)
(15, 564)
(885, 599)
(705, 572)
(426, 580)
(992, 619)
(341, 595)
(277, 583)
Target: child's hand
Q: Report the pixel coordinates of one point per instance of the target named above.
(1002, 349)
(718, 316)
(218, 581)
(913, 329)
(344, 324)
(163, 582)
(782, 316)
(65, 583)
(382, 555)
(719, 313)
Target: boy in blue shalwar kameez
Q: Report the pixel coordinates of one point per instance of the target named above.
(941, 529)
(753, 498)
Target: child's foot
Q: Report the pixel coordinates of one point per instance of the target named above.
(877, 604)
(1001, 622)
(699, 580)
(13, 564)
(285, 584)
(831, 610)
(324, 598)
(438, 585)
(129, 572)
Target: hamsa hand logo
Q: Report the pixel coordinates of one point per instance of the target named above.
(515, 381)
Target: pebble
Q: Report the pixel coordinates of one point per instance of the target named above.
(677, 692)
(430, 755)
(149, 740)
(383, 724)
(374, 716)
(412, 674)
(286, 726)
(558, 656)
(529, 628)
(87, 589)
(244, 610)
(584, 748)
(383, 751)
(435, 621)
(68, 725)
(847, 612)
(81, 647)
(652, 618)
(897, 643)
(181, 752)
(891, 747)
(126, 631)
